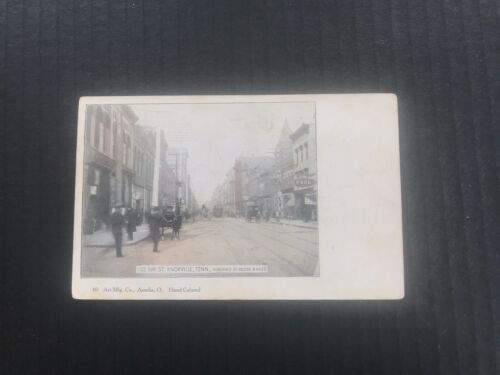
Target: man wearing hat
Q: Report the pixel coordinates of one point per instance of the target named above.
(117, 220)
(155, 222)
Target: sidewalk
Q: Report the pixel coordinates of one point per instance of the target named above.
(106, 239)
(296, 223)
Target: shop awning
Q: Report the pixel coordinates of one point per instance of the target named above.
(289, 200)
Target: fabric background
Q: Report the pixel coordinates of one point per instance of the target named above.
(442, 59)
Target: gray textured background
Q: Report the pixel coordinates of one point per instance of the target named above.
(441, 57)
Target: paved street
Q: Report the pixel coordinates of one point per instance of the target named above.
(286, 250)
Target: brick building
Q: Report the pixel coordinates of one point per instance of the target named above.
(305, 172)
(108, 170)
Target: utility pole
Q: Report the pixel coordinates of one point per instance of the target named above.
(156, 175)
(178, 183)
(188, 198)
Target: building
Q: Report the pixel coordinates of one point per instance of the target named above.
(193, 203)
(284, 184)
(143, 166)
(177, 159)
(253, 183)
(128, 164)
(229, 197)
(169, 187)
(285, 168)
(216, 197)
(108, 170)
(305, 172)
(165, 183)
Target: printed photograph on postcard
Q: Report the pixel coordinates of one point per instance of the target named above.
(238, 197)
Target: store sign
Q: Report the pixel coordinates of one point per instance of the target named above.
(310, 199)
(304, 182)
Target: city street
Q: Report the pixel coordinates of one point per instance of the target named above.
(287, 250)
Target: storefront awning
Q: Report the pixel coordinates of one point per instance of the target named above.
(289, 200)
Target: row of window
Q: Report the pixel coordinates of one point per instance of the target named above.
(143, 165)
(301, 153)
(104, 133)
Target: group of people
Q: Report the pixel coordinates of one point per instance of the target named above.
(129, 218)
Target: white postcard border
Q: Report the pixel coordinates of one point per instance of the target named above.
(359, 216)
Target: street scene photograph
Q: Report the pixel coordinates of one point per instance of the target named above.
(200, 190)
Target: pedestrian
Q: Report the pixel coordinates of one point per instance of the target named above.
(155, 220)
(305, 214)
(131, 218)
(139, 213)
(117, 220)
(176, 226)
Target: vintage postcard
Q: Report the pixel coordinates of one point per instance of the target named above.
(238, 197)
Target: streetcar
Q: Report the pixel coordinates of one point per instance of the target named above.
(253, 213)
(217, 211)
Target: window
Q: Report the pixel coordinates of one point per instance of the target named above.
(124, 153)
(97, 134)
(126, 157)
(134, 163)
(306, 148)
(88, 127)
(113, 138)
(144, 164)
(129, 152)
(137, 155)
(97, 177)
(107, 136)
(139, 163)
(101, 136)
(92, 131)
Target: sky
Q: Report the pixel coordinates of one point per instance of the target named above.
(215, 135)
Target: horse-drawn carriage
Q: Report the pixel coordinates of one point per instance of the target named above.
(167, 218)
(253, 212)
(205, 213)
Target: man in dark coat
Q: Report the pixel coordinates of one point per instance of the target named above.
(117, 220)
(131, 218)
(176, 226)
(155, 222)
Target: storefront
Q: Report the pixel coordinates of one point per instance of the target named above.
(138, 199)
(288, 205)
(127, 179)
(310, 201)
(97, 196)
(305, 194)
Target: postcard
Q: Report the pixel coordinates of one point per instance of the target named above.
(238, 197)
